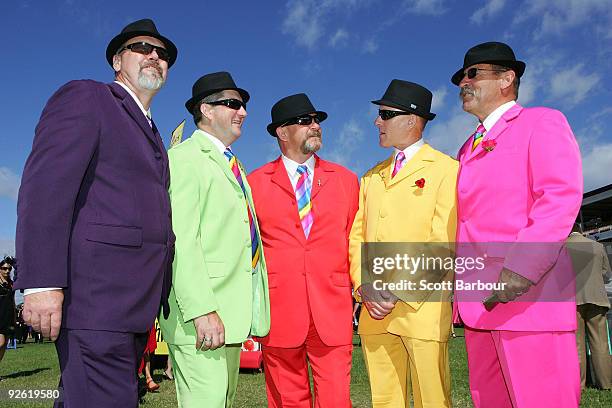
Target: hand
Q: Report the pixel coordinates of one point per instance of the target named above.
(515, 286)
(43, 311)
(379, 303)
(210, 332)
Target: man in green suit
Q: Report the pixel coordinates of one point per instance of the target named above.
(219, 287)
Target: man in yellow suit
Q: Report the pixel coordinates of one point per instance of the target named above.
(409, 197)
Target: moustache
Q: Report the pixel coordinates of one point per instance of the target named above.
(315, 133)
(154, 65)
(466, 90)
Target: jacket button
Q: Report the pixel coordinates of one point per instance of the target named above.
(158, 155)
(297, 225)
(293, 202)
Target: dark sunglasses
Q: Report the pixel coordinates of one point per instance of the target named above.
(302, 121)
(232, 103)
(388, 114)
(146, 49)
(472, 72)
(6, 268)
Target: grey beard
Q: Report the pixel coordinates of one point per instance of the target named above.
(309, 147)
(150, 82)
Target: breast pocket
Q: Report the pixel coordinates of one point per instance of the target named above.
(122, 235)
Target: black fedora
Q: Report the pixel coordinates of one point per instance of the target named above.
(212, 83)
(290, 107)
(144, 27)
(492, 52)
(408, 96)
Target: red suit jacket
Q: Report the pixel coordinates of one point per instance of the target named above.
(308, 273)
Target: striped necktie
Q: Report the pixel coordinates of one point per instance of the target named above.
(255, 251)
(302, 194)
(399, 163)
(480, 131)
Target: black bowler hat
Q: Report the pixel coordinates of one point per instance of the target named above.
(291, 107)
(144, 27)
(490, 53)
(212, 83)
(409, 97)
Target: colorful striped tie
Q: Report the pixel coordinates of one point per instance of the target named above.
(399, 163)
(255, 251)
(302, 193)
(480, 131)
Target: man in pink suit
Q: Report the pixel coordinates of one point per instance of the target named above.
(520, 183)
(305, 208)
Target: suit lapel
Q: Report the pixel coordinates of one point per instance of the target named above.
(129, 104)
(281, 178)
(421, 159)
(496, 131)
(213, 153)
(320, 177)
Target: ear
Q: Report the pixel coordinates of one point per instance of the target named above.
(117, 63)
(281, 133)
(206, 111)
(507, 79)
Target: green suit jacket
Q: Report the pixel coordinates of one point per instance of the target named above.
(212, 263)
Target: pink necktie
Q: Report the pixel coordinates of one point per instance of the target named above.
(399, 163)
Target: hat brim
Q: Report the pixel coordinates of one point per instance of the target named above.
(517, 66)
(193, 100)
(426, 115)
(272, 126)
(120, 39)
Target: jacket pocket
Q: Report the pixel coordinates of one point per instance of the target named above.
(216, 269)
(114, 234)
(341, 279)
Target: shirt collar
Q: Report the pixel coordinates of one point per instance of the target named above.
(494, 116)
(291, 165)
(218, 144)
(410, 151)
(147, 113)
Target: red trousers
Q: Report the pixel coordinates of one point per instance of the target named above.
(286, 370)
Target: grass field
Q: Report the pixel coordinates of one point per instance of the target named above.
(34, 366)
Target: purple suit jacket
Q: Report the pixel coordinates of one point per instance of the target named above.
(93, 211)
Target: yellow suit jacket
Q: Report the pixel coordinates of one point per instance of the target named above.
(397, 210)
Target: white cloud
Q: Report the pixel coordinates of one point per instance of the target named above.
(559, 16)
(303, 22)
(9, 183)
(7, 247)
(370, 46)
(348, 141)
(424, 7)
(339, 39)
(439, 96)
(595, 161)
(489, 10)
(572, 85)
(449, 135)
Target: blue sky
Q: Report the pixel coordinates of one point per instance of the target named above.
(343, 53)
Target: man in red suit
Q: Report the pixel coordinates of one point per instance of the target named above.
(305, 207)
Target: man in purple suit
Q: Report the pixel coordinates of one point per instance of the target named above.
(94, 225)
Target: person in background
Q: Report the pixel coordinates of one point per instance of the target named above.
(7, 303)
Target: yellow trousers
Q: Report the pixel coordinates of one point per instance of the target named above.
(397, 364)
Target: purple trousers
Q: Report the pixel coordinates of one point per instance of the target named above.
(99, 368)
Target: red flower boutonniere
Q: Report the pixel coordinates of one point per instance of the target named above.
(489, 145)
(420, 183)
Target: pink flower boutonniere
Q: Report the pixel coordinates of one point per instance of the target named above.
(420, 183)
(489, 145)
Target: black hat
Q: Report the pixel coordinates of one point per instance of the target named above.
(409, 97)
(490, 53)
(144, 27)
(291, 107)
(211, 83)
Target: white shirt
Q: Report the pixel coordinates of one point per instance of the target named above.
(494, 116)
(409, 152)
(291, 167)
(147, 114)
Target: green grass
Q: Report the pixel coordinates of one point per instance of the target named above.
(34, 366)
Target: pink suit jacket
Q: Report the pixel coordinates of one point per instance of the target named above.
(528, 189)
(307, 277)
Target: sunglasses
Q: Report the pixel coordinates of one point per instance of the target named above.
(388, 114)
(146, 49)
(5, 268)
(303, 121)
(472, 72)
(232, 103)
